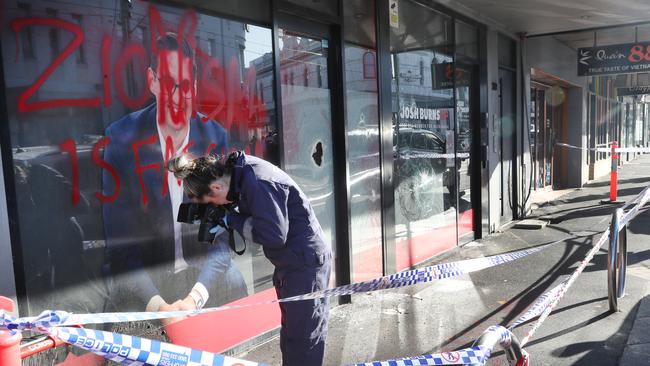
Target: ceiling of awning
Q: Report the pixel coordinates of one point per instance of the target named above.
(627, 34)
(546, 16)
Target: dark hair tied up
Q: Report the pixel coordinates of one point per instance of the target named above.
(181, 166)
(197, 174)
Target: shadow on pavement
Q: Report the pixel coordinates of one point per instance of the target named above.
(574, 252)
(605, 183)
(596, 352)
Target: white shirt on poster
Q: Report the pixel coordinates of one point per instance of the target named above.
(175, 190)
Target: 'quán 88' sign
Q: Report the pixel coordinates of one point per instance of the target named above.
(638, 53)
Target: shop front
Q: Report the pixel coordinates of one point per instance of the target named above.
(372, 107)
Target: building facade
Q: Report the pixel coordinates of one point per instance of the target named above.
(413, 128)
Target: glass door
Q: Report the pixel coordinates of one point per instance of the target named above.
(466, 103)
(306, 110)
(424, 135)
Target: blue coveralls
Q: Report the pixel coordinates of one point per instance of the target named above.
(275, 213)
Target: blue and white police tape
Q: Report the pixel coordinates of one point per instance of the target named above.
(639, 201)
(632, 149)
(556, 294)
(607, 149)
(131, 350)
(478, 354)
(124, 349)
(546, 303)
(53, 321)
(538, 306)
(432, 155)
(401, 279)
(543, 306)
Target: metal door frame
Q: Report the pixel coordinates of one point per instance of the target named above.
(304, 21)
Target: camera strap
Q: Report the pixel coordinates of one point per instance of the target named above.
(231, 242)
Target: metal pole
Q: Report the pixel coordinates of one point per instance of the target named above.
(613, 261)
(622, 262)
(495, 335)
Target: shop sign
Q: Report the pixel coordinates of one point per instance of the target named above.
(415, 112)
(614, 59)
(635, 90)
(443, 76)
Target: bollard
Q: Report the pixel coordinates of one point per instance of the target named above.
(9, 344)
(514, 352)
(616, 260)
(622, 262)
(613, 176)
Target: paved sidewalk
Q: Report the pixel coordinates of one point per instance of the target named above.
(450, 314)
(637, 350)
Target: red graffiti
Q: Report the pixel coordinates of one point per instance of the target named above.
(167, 85)
(70, 146)
(23, 105)
(97, 159)
(189, 20)
(139, 169)
(219, 94)
(210, 148)
(216, 91)
(187, 147)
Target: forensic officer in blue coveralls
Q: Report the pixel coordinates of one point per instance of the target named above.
(275, 213)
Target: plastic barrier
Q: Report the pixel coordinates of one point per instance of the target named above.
(9, 343)
(613, 175)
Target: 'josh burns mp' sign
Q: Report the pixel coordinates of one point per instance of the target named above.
(614, 59)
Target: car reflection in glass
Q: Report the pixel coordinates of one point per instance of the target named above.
(422, 173)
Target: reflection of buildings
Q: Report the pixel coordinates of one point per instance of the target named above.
(40, 166)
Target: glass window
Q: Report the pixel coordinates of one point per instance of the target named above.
(89, 150)
(53, 34)
(423, 104)
(81, 51)
(507, 52)
(362, 126)
(369, 65)
(466, 40)
(258, 11)
(26, 35)
(327, 6)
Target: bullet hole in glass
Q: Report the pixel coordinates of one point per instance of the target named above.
(318, 154)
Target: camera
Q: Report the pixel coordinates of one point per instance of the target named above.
(206, 215)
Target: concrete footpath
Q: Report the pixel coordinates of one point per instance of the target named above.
(450, 314)
(637, 350)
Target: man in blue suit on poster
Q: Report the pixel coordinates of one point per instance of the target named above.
(156, 263)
